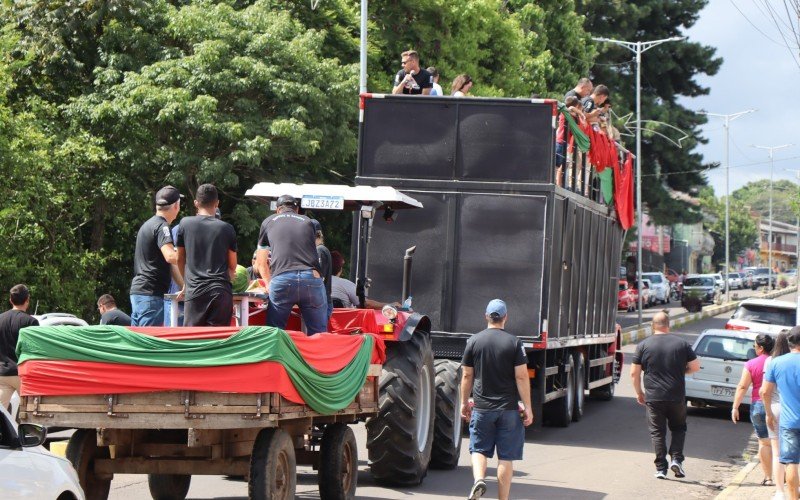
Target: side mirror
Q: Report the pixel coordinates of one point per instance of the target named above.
(31, 435)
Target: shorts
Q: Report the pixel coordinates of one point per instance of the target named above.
(501, 429)
(790, 446)
(776, 412)
(758, 416)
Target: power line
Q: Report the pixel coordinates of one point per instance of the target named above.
(741, 165)
(757, 28)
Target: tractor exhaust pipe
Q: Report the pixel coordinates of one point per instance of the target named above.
(407, 260)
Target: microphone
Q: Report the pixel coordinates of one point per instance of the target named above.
(412, 72)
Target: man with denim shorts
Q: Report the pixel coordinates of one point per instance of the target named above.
(287, 260)
(496, 362)
(784, 372)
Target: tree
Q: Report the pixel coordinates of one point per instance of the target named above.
(755, 196)
(668, 72)
(743, 230)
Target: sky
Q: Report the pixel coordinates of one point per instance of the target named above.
(757, 73)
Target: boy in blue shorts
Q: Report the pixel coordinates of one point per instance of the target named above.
(495, 361)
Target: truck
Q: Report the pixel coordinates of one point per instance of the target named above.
(497, 222)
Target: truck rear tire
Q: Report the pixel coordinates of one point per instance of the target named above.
(169, 486)
(447, 424)
(559, 412)
(273, 474)
(580, 386)
(82, 450)
(400, 438)
(338, 463)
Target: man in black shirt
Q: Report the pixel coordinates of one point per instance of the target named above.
(583, 89)
(154, 254)
(287, 260)
(325, 263)
(11, 322)
(592, 105)
(207, 262)
(412, 79)
(496, 361)
(109, 314)
(665, 360)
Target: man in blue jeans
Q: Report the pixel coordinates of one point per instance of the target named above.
(784, 372)
(154, 254)
(495, 371)
(287, 259)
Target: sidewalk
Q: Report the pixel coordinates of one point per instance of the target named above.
(747, 484)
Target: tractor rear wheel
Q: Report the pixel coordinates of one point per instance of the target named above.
(447, 424)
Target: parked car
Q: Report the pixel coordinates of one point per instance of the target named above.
(791, 276)
(626, 299)
(648, 296)
(747, 278)
(763, 316)
(722, 355)
(735, 281)
(761, 278)
(702, 287)
(719, 280)
(30, 471)
(59, 319)
(659, 285)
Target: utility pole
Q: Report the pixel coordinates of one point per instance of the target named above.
(728, 119)
(638, 48)
(362, 69)
(771, 149)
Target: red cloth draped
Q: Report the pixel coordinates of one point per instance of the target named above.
(623, 192)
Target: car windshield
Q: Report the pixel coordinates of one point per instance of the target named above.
(698, 282)
(654, 278)
(761, 270)
(713, 346)
(768, 315)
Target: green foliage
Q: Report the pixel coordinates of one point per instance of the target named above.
(743, 230)
(668, 72)
(755, 196)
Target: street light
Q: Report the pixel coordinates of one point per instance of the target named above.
(728, 119)
(771, 149)
(638, 48)
(362, 49)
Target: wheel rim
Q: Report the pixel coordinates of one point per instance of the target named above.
(579, 389)
(423, 408)
(457, 417)
(347, 467)
(282, 478)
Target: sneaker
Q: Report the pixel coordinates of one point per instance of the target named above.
(478, 489)
(661, 474)
(677, 469)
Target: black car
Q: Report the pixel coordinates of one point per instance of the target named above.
(761, 277)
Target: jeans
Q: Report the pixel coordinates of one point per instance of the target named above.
(147, 310)
(660, 416)
(561, 154)
(301, 288)
(168, 305)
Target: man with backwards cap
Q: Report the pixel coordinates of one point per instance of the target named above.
(287, 260)
(496, 362)
(151, 261)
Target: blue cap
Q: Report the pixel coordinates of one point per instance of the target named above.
(496, 309)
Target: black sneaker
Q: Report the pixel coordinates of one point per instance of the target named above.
(661, 474)
(478, 489)
(677, 469)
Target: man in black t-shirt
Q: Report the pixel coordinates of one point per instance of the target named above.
(207, 262)
(582, 89)
(325, 263)
(592, 105)
(412, 79)
(665, 360)
(496, 361)
(109, 314)
(287, 260)
(154, 254)
(11, 322)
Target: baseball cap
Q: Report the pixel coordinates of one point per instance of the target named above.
(496, 309)
(167, 195)
(286, 200)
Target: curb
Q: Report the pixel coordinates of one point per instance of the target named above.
(737, 481)
(633, 334)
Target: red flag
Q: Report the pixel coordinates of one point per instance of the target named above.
(623, 192)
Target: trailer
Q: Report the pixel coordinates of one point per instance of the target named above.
(495, 224)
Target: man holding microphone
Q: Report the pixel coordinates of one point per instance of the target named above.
(412, 79)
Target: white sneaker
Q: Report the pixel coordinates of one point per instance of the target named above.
(661, 474)
(677, 469)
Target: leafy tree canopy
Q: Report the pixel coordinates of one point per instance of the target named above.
(743, 230)
(754, 196)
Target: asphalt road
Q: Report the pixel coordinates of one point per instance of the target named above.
(605, 455)
(626, 319)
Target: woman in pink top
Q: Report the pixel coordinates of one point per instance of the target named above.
(753, 374)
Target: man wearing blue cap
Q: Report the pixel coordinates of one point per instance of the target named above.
(496, 362)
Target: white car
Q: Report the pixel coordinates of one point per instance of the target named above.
(763, 316)
(722, 355)
(735, 281)
(28, 470)
(659, 286)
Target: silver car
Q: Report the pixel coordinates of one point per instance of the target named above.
(722, 355)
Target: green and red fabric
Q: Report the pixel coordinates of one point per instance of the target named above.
(325, 371)
(623, 192)
(581, 139)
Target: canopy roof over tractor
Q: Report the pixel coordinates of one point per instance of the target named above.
(334, 196)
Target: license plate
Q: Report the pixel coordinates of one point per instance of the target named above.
(321, 202)
(727, 392)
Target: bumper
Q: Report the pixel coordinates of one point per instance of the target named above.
(700, 390)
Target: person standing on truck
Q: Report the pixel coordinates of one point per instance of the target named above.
(665, 361)
(582, 89)
(151, 261)
(288, 262)
(412, 79)
(495, 372)
(11, 322)
(109, 314)
(207, 261)
(324, 262)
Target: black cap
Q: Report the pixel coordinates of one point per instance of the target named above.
(287, 200)
(167, 196)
